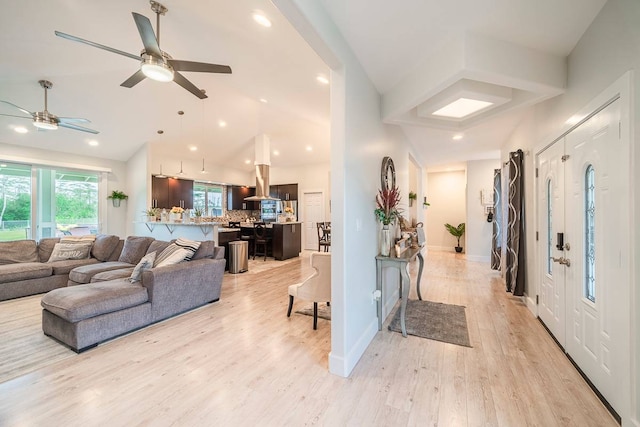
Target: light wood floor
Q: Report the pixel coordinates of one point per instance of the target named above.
(241, 361)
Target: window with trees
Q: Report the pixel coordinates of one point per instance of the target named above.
(15, 208)
(209, 198)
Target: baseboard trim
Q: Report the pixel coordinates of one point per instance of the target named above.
(342, 366)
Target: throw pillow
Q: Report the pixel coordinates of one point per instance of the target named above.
(104, 246)
(135, 247)
(175, 257)
(145, 264)
(190, 246)
(64, 251)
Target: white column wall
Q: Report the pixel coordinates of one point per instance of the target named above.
(359, 141)
(479, 232)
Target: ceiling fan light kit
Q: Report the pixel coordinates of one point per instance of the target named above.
(45, 120)
(155, 63)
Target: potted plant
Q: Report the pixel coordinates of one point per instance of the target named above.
(456, 232)
(116, 197)
(197, 212)
(175, 214)
(151, 214)
(425, 204)
(412, 196)
(387, 213)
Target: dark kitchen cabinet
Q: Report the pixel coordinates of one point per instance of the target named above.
(169, 192)
(287, 242)
(284, 191)
(236, 195)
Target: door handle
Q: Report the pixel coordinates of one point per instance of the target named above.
(562, 260)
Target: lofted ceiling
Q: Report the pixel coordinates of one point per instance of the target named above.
(416, 52)
(273, 63)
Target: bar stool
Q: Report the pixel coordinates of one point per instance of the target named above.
(261, 239)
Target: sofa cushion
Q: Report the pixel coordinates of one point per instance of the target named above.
(84, 273)
(64, 251)
(105, 276)
(135, 247)
(18, 251)
(67, 265)
(104, 246)
(24, 271)
(84, 301)
(206, 250)
(145, 264)
(45, 247)
(158, 246)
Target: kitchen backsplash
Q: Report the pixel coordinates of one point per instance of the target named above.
(239, 215)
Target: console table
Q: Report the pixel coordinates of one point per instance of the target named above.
(400, 262)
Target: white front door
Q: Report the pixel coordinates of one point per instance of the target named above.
(313, 213)
(551, 222)
(598, 287)
(584, 295)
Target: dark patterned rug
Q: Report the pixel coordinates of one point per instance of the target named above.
(435, 321)
(324, 311)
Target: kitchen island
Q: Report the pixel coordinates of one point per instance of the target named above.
(286, 241)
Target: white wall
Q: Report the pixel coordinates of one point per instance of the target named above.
(479, 232)
(359, 141)
(447, 194)
(117, 179)
(607, 50)
(139, 191)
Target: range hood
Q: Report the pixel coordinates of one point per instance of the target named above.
(262, 185)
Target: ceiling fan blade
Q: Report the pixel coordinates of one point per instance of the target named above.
(99, 46)
(182, 81)
(73, 119)
(136, 78)
(147, 35)
(19, 108)
(17, 117)
(76, 127)
(201, 67)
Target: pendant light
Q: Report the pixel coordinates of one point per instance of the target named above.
(161, 175)
(181, 114)
(203, 171)
(181, 172)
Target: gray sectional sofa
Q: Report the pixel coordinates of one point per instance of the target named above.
(93, 299)
(24, 269)
(101, 302)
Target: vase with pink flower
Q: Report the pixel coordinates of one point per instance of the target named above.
(387, 212)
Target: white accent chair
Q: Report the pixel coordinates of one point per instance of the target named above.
(317, 287)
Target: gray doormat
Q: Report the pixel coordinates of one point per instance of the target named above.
(435, 321)
(324, 311)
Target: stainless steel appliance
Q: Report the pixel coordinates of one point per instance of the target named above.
(268, 210)
(282, 210)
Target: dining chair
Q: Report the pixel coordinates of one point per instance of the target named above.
(317, 287)
(324, 236)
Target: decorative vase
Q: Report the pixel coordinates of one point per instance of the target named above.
(116, 203)
(198, 219)
(385, 241)
(175, 217)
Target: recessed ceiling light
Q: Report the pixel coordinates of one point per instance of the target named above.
(222, 123)
(276, 153)
(322, 79)
(247, 161)
(93, 143)
(264, 101)
(462, 107)
(21, 129)
(457, 137)
(193, 148)
(309, 148)
(261, 19)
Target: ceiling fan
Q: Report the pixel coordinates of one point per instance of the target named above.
(46, 120)
(155, 63)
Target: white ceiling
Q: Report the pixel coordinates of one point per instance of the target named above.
(398, 44)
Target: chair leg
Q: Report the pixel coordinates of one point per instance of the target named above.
(290, 305)
(328, 303)
(315, 315)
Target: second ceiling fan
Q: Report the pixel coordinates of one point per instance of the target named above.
(155, 63)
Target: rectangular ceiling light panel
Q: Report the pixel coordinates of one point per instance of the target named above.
(462, 107)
